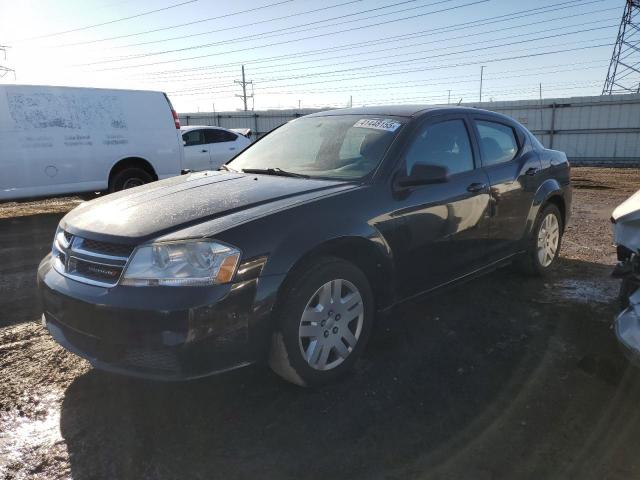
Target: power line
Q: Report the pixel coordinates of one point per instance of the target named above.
(395, 48)
(110, 22)
(439, 67)
(290, 41)
(430, 57)
(182, 37)
(170, 27)
(484, 21)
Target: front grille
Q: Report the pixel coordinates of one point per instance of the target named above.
(91, 261)
(114, 249)
(94, 271)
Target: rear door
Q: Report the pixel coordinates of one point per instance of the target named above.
(440, 229)
(196, 152)
(513, 168)
(222, 145)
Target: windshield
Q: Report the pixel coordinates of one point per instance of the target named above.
(340, 146)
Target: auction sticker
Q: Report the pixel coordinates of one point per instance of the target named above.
(386, 124)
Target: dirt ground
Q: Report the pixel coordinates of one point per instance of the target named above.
(504, 377)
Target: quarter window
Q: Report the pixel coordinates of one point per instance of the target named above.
(193, 137)
(497, 142)
(445, 144)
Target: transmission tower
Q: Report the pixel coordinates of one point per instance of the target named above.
(5, 70)
(624, 70)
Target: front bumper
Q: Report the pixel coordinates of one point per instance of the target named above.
(165, 333)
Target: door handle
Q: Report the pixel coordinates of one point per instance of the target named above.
(476, 187)
(531, 171)
(232, 148)
(204, 151)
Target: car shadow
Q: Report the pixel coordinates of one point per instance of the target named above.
(24, 241)
(440, 375)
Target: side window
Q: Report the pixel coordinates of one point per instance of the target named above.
(497, 142)
(193, 137)
(218, 136)
(445, 144)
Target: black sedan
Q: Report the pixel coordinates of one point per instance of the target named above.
(287, 254)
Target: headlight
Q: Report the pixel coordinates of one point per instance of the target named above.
(191, 263)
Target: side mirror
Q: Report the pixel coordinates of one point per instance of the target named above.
(424, 175)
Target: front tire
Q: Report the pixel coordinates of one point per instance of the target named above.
(543, 246)
(324, 322)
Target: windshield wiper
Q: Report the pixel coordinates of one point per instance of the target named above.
(274, 171)
(227, 169)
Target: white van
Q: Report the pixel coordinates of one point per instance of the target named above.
(57, 140)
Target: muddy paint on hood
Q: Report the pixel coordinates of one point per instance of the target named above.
(626, 227)
(179, 202)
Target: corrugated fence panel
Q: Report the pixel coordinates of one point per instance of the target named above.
(601, 130)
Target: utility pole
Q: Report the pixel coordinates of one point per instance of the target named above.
(298, 104)
(244, 84)
(623, 75)
(481, 73)
(350, 101)
(449, 98)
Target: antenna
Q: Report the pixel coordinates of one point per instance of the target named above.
(623, 75)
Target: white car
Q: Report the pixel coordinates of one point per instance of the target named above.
(208, 148)
(58, 140)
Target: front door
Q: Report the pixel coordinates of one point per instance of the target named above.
(441, 229)
(196, 152)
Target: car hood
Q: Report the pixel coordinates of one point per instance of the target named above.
(163, 207)
(626, 223)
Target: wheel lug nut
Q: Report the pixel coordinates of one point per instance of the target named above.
(326, 333)
(323, 323)
(338, 317)
(335, 330)
(331, 313)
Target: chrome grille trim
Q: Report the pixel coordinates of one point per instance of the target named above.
(74, 260)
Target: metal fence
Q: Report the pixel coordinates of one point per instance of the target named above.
(602, 130)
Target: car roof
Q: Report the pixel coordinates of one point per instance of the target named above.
(409, 111)
(186, 128)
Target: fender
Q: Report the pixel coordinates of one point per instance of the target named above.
(549, 188)
(364, 245)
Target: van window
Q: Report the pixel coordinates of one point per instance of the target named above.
(219, 136)
(193, 137)
(497, 142)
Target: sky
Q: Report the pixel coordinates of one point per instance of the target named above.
(314, 54)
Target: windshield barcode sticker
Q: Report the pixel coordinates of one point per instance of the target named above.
(386, 124)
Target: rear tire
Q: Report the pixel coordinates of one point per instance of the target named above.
(543, 245)
(129, 178)
(324, 323)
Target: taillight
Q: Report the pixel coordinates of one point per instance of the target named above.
(175, 118)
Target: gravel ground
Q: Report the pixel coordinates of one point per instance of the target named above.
(521, 379)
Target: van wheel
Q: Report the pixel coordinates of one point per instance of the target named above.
(324, 323)
(544, 243)
(129, 178)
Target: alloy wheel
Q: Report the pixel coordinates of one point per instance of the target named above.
(548, 239)
(331, 324)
